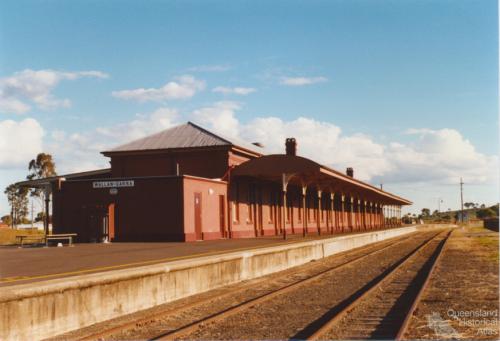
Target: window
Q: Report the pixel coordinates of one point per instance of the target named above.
(249, 213)
(236, 204)
(250, 201)
(233, 211)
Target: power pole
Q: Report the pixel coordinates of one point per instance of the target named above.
(462, 200)
(32, 213)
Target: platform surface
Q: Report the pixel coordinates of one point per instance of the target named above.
(30, 264)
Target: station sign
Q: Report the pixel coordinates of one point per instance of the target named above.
(113, 184)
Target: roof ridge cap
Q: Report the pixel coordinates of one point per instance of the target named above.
(209, 132)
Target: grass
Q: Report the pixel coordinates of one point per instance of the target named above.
(8, 236)
(489, 242)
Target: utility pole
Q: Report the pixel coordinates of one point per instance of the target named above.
(440, 200)
(32, 213)
(462, 200)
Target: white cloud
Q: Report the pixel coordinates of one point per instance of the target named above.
(430, 159)
(220, 117)
(210, 68)
(440, 156)
(236, 90)
(143, 125)
(19, 142)
(433, 157)
(184, 87)
(36, 87)
(300, 81)
(320, 141)
(81, 151)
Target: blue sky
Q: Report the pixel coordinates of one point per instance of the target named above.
(411, 82)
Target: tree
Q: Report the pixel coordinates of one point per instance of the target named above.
(18, 201)
(486, 213)
(426, 212)
(6, 219)
(469, 205)
(495, 208)
(435, 213)
(40, 216)
(39, 168)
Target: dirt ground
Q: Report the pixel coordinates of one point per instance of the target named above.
(462, 300)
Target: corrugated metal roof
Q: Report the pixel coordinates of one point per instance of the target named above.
(187, 135)
(46, 181)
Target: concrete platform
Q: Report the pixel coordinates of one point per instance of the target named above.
(48, 307)
(30, 264)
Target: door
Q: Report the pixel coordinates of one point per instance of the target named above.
(197, 215)
(97, 223)
(222, 215)
(111, 222)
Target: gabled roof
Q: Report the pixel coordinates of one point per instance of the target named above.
(188, 135)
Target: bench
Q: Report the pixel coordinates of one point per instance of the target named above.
(34, 237)
(67, 236)
(45, 238)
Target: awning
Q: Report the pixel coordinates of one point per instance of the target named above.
(41, 183)
(300, 171)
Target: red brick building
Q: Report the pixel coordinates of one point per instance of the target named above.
(186, 184)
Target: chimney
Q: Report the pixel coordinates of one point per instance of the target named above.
(291, 146)
(350, 172)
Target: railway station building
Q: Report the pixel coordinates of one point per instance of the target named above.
(187, 183)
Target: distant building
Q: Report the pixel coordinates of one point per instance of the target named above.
(187, 183)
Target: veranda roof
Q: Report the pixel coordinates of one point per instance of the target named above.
(300, 171)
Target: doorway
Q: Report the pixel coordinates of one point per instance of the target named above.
(197, 215)
(100, 223)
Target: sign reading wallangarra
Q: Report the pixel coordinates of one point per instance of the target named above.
(113, 184)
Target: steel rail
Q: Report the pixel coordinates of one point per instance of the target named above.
(325, 328)
(406, 322)
(132, 324)
(175, 334)
(156, 316)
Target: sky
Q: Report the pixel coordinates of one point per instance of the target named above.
(403, 91)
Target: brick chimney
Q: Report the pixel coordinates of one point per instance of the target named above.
(350, 172)
(291, 146)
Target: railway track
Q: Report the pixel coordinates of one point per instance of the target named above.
(173, 334)
(184, 331)
(384, 308)
(381, 309)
